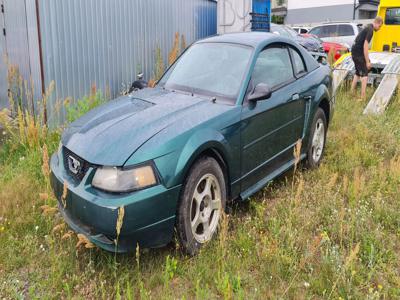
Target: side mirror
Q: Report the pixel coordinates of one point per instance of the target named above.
(261, 92)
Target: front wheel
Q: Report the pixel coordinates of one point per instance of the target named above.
(201, 205)
(317, 139)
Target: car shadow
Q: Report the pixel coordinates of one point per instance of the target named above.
(241, 208)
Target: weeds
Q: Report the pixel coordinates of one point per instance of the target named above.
(77, 109)
(171, 265)
(159, 66)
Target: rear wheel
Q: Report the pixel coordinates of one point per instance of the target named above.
(202, 202)
(317, 139)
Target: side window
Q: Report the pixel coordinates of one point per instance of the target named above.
(316, 31)
(298, 62)
(273, 67)
(330, 31)
(345, 30)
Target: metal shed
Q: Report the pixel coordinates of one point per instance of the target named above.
(78, 43)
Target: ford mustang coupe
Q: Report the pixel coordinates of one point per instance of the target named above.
(220, 124)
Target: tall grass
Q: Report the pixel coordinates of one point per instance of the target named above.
(76, 109)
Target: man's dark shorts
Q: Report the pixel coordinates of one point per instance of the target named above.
(361, 65)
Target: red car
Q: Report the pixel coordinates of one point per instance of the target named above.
(338, 49)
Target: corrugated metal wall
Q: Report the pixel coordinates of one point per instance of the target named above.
(3, 67)
(20, 45)
(108, 42)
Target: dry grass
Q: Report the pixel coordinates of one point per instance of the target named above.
(119, 223)
(173, 54)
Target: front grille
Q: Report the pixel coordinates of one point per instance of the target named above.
(74, 165)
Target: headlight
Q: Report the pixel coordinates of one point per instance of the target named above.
(117, 180)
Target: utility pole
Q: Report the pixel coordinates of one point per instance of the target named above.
(354, 9)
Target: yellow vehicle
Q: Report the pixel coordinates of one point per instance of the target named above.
(388, 38)
(384, 56)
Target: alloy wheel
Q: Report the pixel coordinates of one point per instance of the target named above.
(318, 141)
(205, 208)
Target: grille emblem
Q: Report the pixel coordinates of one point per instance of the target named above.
(74, 165)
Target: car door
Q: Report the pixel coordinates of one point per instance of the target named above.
(271, 127)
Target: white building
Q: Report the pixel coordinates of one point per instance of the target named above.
(316, 11)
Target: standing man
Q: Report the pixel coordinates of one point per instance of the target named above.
(359, 53)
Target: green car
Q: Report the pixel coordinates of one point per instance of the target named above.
(220, 124)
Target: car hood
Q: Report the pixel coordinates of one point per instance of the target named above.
(110, 134)
(310, 43)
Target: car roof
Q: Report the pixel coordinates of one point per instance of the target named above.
(253, 39)
(336, 23)
(259, 40)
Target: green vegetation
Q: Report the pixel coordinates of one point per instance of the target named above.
(332, 233)
(82, 106)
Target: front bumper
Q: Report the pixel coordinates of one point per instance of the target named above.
(149, 217)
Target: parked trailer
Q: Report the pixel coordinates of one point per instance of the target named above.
(385, 59)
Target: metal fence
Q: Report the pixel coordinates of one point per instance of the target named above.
(108, 42)
(18, 43)
(78, 43)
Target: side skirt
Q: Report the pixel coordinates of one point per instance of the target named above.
(260, 184)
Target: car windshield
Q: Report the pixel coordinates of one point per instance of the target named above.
(211, 69)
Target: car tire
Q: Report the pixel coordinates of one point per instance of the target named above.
(202, 203)
(317, 140)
